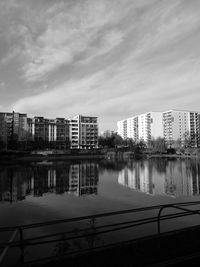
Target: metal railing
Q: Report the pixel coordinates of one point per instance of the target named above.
(92, 231)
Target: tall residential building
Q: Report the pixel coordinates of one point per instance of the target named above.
(141, 127)
(13, 126)
(178, 124)
(81, 132)
(84, 132)
(48, 130)
(150, 126)
(122, 128)
(132, 128)
(3, 128)
(198, 130)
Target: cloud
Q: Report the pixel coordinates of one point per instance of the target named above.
(111, 58)
(71, 30)
(67, 96)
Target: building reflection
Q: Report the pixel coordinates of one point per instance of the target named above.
(179, 178)
(78, 179)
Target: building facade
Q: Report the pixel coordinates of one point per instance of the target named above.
(141, 127)
(174, 125)
(132, 128)
(84, 132)
(80, 132)
(48, 130)
(150, 126)
(180, 125)
(13, 127)
(122, 128)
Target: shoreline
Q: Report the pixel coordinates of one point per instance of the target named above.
(14, 157)
(172, 156)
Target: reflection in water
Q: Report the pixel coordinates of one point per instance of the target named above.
(162, 177)
(38, 179)
(154, 176)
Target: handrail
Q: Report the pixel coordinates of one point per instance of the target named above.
(3, 254)
(194, 212)
(96, 229)
(128, 224)
(99, 215)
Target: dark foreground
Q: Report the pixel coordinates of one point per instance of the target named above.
(169, 249)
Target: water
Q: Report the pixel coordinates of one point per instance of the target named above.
(41, 191)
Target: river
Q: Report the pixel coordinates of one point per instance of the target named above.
(32, 192)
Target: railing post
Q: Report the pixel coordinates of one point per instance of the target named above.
(159, 215)
(21, 245)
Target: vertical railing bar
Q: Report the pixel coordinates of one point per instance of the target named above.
(172, 206)
(159, 215)
(3, 254)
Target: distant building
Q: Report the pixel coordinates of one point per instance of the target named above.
(122, 128)
(48, 130)
(141, 127)
(107, 133)
(13, 127)
(84, 132)
(132, 128)
(173, 125)
(178, 124)
(80, 132)
(150, 126)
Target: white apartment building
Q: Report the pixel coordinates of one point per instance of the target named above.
(150, 126)
(132, 128)
(84, 132)
(178, 123)
(141, 127)
(74, 132)
(122, 128)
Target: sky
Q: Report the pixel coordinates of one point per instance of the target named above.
(107, 58)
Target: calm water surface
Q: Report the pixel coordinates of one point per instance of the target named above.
(42, 191)
(35, 192)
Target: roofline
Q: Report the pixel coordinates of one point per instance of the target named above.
(182, 110)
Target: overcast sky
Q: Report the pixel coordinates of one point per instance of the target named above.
(108, 58)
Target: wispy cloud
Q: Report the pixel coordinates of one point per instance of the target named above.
(111, 58)
(70, 30)
(67, 96)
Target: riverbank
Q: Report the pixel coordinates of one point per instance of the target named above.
(172, 156)
(7, 157)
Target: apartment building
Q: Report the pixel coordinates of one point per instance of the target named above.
(132, 128)
(122, 128)
(141, 127)
(74, 132)
(150, 126)
(3, 128)
(81, 132)
(84, 132)
(13, 126)
(178, 124)
(48, 130)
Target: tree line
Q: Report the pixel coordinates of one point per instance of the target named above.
(155, 145)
